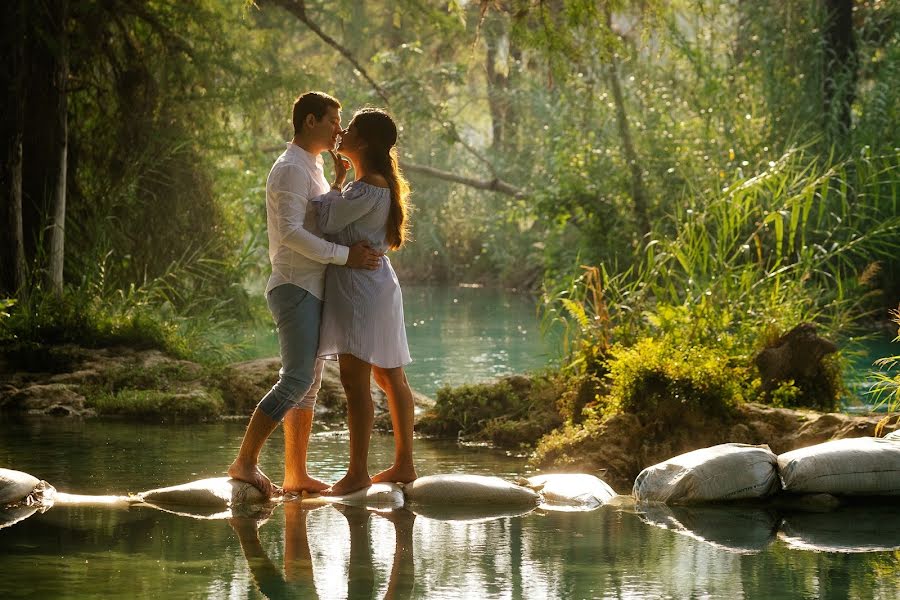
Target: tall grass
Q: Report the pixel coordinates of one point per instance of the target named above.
(798, 241)
(886, 391)
(188, 311)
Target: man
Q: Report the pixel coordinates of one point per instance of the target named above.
(294, 292)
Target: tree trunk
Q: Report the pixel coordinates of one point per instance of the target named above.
(44, 148)
(496, 82)
(638, 192)
(58, 206)
(12, 248)
(840, 65)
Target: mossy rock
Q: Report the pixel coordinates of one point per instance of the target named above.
(513, 412)
(190, 405)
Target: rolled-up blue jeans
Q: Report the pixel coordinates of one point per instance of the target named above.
(297, 315)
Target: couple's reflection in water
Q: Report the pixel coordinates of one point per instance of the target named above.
(297, 577)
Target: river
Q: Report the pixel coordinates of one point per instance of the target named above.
(457, 335)
(460, 335)
(141, 552)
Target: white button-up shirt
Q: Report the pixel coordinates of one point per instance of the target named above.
(297, 251)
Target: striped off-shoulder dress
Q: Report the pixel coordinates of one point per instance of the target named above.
(363, 310)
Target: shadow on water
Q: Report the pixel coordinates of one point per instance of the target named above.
(860, 526)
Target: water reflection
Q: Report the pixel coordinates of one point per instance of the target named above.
(873, 527)
(340, 562)
(74, 552)
(737, 529)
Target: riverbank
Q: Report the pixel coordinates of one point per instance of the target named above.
(547, 418)
(69, 380)
(560, 425)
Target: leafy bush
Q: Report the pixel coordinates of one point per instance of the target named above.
(671, 382)
(512, 412)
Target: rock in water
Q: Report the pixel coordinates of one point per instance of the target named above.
(15, 486)
(377, 495)
(468, 490)
(572, 489)
(797, 354)
(849, 467)
(215, 492)
(720, 473)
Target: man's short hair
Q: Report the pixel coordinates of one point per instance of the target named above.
(312, 103)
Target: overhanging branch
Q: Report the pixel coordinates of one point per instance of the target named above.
(298, 9)
(493, 185)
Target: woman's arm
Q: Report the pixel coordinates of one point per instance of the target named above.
(337, 209)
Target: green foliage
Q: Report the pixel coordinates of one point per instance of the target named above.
(798, 242)
(95, 315)
(887, 389)
(512, 412)
(156, 404)
(672, 382)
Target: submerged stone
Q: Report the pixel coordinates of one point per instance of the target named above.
(215, 492)
(574, 490)
(468, 490)
(856, 466)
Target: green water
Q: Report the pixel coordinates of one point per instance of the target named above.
(81, 552)
(460, 335)
(463, 335)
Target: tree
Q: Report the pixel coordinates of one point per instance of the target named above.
(44, 154)
(12, 252)
(839, 67)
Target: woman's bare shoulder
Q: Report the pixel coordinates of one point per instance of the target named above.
(375, 179)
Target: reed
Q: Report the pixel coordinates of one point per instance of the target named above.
(796, 242)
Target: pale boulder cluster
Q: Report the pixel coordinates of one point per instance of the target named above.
(704, 493)
(454, 496)
(741, 498)
(863, 466)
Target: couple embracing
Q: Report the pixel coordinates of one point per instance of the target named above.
(333, 293)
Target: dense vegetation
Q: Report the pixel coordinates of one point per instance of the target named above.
(724, 170)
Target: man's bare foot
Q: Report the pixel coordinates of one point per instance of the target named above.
(306, 484)
(396, 474)
(252, 475)
(349, 484)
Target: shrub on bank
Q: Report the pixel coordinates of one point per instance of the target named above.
(653, 378)
(656, 377)
(143, 404)
(512, 412)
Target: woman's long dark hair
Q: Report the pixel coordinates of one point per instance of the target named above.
(378, 130)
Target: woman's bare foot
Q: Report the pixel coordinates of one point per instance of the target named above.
(306, 484)
(254, 476)
(348, 484)
(396, 474)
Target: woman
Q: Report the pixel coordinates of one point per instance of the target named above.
(362, 318)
